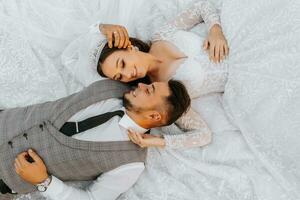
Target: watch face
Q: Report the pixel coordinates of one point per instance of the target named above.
(41, 188)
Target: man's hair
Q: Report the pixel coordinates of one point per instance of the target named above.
(178, 102)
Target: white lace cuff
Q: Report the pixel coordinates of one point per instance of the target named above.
(195, 132)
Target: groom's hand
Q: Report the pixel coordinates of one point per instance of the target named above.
(30, 167)
(116, 35)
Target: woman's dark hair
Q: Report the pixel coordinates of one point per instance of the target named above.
(178, 101)
(144, 47)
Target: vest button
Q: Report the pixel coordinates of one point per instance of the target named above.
(41, 126)
(10, 144)
(25, 136)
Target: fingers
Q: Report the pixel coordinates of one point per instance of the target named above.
(127, 41)
(21, 158)
(34, 156)
(217, 54)
(222, 52)
(212, 52)
(18, 164)
(109, 37)
(116, 38)
(135, 138)
(205, 44)
(139, 138)
(132, 136)
(122, 39)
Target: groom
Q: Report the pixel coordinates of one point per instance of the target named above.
(81, 137)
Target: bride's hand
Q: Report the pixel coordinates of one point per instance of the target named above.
(146, 140)
(116, 35)
(216, 44)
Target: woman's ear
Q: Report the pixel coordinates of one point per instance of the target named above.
(132, 48)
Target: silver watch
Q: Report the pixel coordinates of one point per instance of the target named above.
(42, 187)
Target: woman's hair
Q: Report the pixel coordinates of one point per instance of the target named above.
(144, 47)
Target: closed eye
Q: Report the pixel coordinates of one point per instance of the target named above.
(123, 64)
(148, 91)
(153, 88)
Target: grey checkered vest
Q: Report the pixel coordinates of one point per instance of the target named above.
(37, 127)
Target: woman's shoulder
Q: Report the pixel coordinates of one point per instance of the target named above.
(164, 47)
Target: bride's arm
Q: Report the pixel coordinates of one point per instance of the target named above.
(197, 13)
(196, 132)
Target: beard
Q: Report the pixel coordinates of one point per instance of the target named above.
(127, 103)
(130, 106)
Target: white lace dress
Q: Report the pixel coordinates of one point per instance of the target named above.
(197, 72)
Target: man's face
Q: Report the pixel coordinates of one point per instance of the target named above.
(148, 97)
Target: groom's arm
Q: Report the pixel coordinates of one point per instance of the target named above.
(108, 186)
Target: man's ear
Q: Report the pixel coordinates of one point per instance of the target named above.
(155, 116)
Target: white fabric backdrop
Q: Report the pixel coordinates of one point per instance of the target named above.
(261, 98)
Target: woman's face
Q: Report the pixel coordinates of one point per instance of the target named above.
(125, 65)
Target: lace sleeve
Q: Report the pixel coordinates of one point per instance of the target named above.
(198, 12)
(196, 132)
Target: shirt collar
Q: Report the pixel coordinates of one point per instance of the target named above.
(128, 123)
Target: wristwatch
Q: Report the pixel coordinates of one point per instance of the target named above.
(42, 187)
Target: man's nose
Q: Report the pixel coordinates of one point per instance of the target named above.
(142, 85)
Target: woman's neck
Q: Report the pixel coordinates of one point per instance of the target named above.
(164, 62)
(154, 67)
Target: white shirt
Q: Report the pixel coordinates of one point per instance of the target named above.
(111, 184)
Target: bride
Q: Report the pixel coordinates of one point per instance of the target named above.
(174, 53)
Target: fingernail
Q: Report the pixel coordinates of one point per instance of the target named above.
(30, 150)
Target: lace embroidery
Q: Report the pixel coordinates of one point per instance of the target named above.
(198, 12)
(197, 132)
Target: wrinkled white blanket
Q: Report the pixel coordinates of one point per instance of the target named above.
(254, 154)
